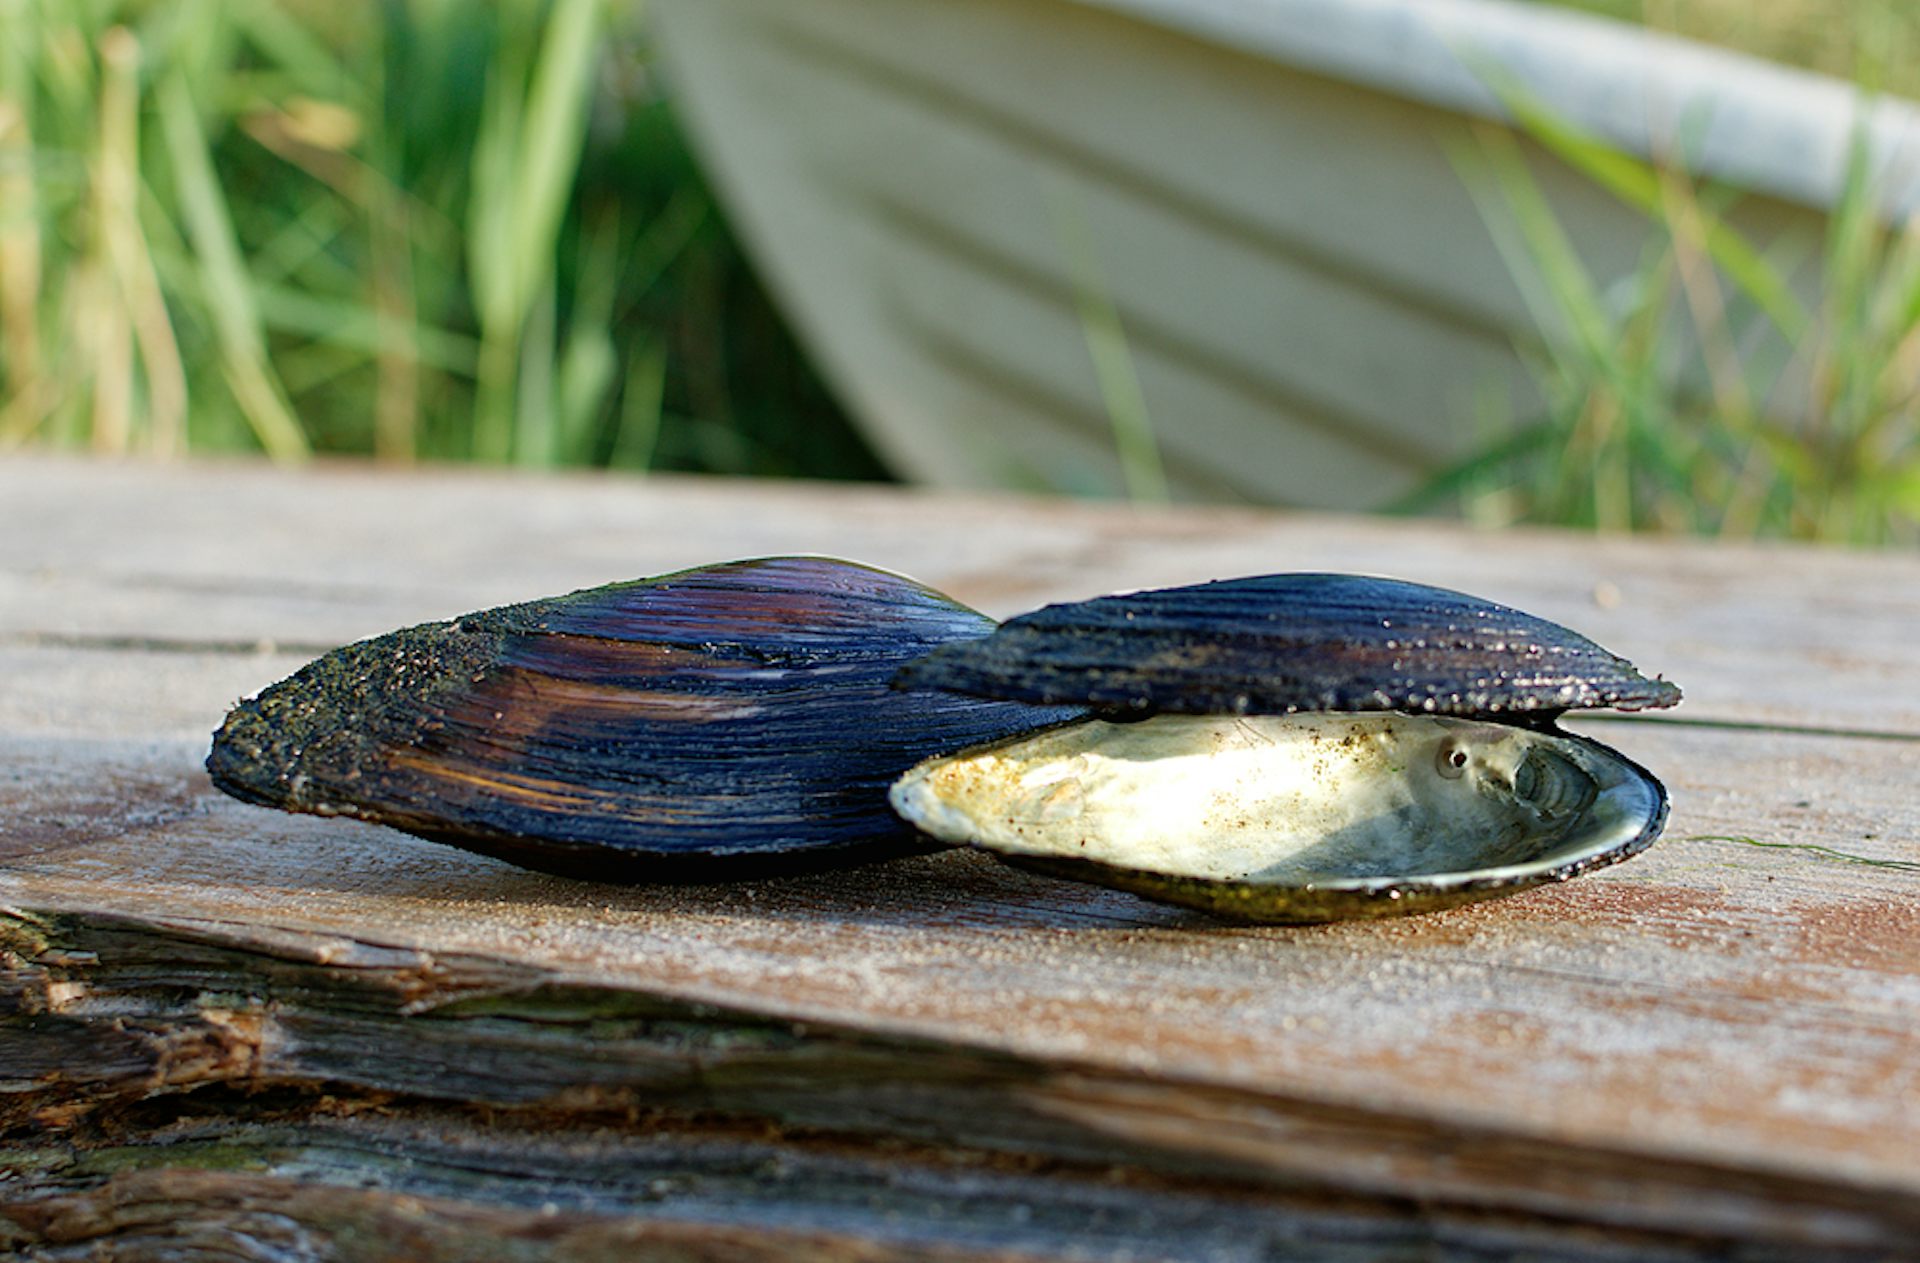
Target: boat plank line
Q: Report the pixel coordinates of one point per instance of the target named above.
(1264, 391)
(1131, 181)
(1008, 382)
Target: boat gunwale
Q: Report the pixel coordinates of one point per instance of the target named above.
(1778, 129)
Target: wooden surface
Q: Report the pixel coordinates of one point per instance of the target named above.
(230, 1033)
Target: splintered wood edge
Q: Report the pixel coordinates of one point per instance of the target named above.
(294, 1030)
(780, 1197)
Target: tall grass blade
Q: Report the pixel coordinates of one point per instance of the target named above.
(229, 295)
(589, 362)
(276, 30)
(1648, 424)
(1126, 403)
(24, 379)
(1559, 293)
(641, 396)
(122, 193)
(388, 246)
(666, 237)
(490, 243)
(583, 383)
(525, 161)
(109, 330)
(361, 328)
(536, 442)
(556, 125)
(1637, 183)
(396, 429)
(395, 296)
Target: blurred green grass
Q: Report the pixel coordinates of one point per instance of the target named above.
(462, 230)
(1703, 392)
(1699, 393)
(418, 230)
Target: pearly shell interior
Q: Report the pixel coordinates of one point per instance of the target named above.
(1294, 817)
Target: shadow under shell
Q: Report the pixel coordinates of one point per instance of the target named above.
(728, 721)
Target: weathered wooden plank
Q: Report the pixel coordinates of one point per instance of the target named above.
(1715, 1038)
(1714, 1048)
(243, 555)
(985, 1114)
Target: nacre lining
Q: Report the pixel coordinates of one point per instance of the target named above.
(1322, 800)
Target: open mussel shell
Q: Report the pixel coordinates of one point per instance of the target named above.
(1288, 642)
(1294, 748)
(719, 722)
(1294, 818)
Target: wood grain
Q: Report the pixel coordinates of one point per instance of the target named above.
(1712, 1048)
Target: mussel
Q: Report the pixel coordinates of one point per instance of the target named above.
(1294, 748)
(731, 720)
(1282, 748)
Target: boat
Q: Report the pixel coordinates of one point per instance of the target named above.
(1221, 249)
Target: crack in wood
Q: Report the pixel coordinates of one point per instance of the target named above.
(263, 647)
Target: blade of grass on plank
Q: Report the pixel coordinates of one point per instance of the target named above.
(223, 275)
(1811, 848)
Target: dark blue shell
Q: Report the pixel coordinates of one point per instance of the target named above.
(1290, 642)
(720, 721)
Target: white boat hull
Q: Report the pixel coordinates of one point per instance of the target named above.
(1311, 299)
